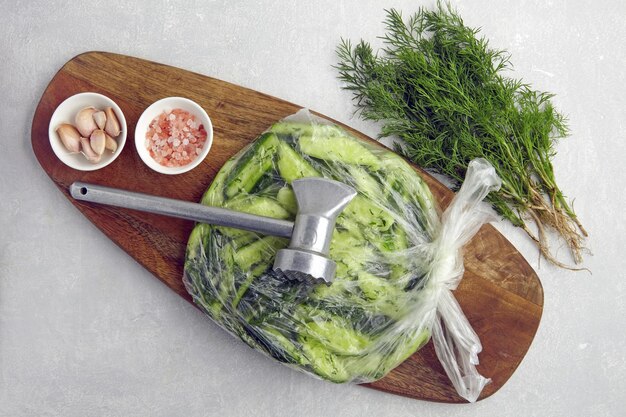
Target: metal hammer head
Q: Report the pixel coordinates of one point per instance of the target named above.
(320, 201)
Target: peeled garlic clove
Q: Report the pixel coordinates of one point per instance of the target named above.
(100, 118)
(112, 126)
(110, 143)
(70, 137)
(97, 141)
(84, 121)
(88, 152)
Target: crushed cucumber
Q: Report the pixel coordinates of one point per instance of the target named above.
(338, 148)
(337, 331)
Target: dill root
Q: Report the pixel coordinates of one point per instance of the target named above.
(439, 87)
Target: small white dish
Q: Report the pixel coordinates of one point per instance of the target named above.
(66, 112)
(168, 104)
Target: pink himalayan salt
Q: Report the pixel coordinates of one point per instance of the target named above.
(175, 138)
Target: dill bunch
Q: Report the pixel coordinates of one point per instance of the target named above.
(439, 87)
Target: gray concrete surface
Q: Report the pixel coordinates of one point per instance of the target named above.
(85, 331)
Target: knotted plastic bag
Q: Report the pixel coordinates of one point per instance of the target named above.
(398, 260)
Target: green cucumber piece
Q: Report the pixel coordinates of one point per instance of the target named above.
(349, 251)
(287, 198)
(199, 234)
(368, 214)
(213, 195)
(251, 275)
(337, 335)
(283, 342)
(376, 288)
(369, 366)
(412, 188)
(238, 237)
(261, 206)
(410, 343)
(292, 166)
(252, 165)
(323, 362)
(365, 183)
(227, 276)
(261, 250)
(338, 148)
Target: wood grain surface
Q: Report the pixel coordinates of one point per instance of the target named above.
(500, 293)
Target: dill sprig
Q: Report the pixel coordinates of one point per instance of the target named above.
(439, 87)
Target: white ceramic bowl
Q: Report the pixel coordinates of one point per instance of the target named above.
(66, 112)
(168, 104)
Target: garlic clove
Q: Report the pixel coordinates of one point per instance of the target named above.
(97, 141)
(110, 143)
(100, 118)
(88, 152)
(112, 126)
(70, 137)
(84, 121)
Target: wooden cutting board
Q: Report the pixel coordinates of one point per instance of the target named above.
(500, 293)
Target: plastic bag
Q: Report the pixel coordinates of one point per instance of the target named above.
(397, 259)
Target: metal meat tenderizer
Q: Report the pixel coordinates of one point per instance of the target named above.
(320, 201)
